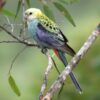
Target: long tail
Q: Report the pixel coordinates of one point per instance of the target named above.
(62, 57)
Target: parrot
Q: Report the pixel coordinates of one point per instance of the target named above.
(48, 35)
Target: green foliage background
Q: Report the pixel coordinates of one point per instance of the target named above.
(29, 68)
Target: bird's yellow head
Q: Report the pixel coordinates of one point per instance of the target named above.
(32, 13)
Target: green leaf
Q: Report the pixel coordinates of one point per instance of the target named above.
(13, 85)
(8, 13)
(48, 12)
(65, 12)
(18, 7)
(28, 2)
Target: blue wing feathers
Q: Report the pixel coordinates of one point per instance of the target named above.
(48, 37)
(53, 40)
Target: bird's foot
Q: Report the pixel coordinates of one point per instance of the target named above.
(44, 50)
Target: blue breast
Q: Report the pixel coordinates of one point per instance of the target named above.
(32, 26)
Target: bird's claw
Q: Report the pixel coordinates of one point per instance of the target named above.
(44, 50)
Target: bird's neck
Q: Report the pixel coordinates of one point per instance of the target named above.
(33, 22)
(32, 25)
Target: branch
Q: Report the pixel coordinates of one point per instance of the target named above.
(47, 71)
(9, 42)
(25, 42)
(75, 60)
(22, 31)
(9, 24)
(23, 9)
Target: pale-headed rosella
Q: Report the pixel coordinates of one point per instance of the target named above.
(48, 35)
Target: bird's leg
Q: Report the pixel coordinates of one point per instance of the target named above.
(44, 50)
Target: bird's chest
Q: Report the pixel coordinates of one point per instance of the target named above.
(32, 26)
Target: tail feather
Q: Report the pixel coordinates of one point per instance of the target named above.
(70, 50)
(75, 82)
(62, 57)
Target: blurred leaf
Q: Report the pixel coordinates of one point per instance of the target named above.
(13, 85)
(68, 1)
(18, 7)
(48, 12)
(64, 11)
(7, 12)
(2, 3)
(28, 2)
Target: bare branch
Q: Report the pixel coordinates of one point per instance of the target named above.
(25, 42)
(23, 8)
(55, 66)
(9, 41)
(75, 60)
(11, 25)
(47, 71)
(22, 31)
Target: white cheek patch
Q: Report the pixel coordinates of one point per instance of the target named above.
(30, 18)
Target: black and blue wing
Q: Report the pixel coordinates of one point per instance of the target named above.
(53, 40)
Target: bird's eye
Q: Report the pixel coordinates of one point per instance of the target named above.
(30, 13)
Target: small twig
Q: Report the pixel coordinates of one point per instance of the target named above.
(59, 74)
(47, 71)
(55, 65)
(22, 31)
(17, 38)
(23, 9)
(11, 25)
(25, 42)
(75, 60)
(9, 41)
(17, 55)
